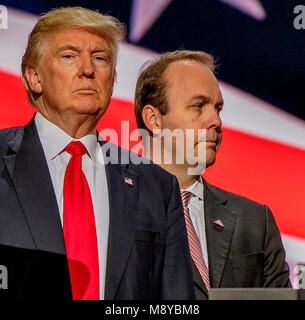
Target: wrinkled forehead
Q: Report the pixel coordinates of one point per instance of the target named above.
(74, 37)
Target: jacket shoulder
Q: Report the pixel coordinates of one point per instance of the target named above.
(155, 180)
(7, 136)
(137, 163)
(149, 168)
(249, 213)
(232, 198)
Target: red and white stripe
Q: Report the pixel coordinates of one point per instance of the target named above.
(194, 243)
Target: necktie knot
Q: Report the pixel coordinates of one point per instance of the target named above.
(76, 148)
(186, 196)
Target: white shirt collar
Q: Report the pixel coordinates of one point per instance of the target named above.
(54, 139)
(196, 188)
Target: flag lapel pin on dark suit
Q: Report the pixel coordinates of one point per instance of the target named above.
(128, 181)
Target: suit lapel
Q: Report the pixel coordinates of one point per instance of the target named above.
(218, 239)
(123, 194)
(29, 172)
(201, 291)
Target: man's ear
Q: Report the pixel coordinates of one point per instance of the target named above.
(151, 117)
(33, 79)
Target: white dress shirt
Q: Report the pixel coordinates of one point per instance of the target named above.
(54, 140)
(196, 210)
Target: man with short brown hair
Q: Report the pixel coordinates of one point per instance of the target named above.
(233, 241)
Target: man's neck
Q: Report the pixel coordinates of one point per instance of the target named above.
(180, 171)
(75, 127)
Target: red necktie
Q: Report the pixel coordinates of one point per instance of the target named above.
(79, 228)
(194, 243)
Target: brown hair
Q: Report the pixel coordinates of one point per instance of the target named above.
(151, 87)
(111, 29)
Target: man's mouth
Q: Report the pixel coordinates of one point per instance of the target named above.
(86, 90)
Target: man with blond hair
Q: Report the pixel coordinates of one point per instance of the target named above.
(77, 218)
(234, 242)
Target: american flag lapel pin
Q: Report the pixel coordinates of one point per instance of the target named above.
(128, 181)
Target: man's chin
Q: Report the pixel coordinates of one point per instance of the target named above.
(196, 169)
(206, 159)
(89, 108)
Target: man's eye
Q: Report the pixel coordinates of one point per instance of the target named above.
(100, 58)
(197, 106)
(68, 56)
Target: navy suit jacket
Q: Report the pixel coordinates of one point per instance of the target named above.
(148, 256)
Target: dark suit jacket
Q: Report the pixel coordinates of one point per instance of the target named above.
(148, 256)
(248, 251)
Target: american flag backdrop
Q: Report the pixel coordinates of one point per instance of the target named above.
(261, 62)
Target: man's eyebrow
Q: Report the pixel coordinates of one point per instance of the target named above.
(206, 99)
(68, 47)
(101, 49)
(220, 103)
(78, 49)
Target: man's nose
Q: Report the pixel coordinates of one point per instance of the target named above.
(86, 67)
(212, 119)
